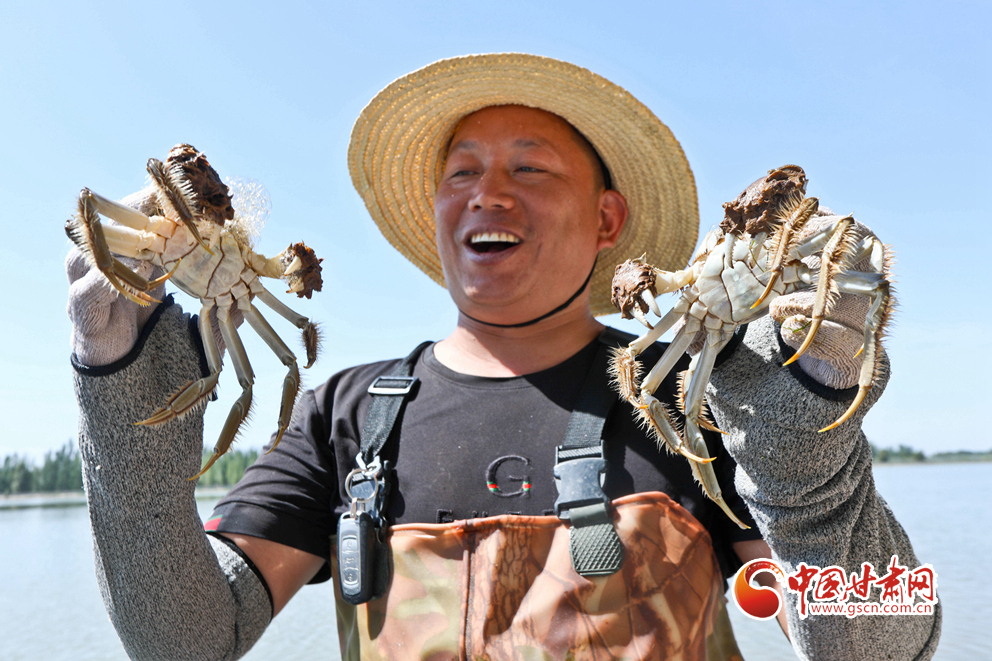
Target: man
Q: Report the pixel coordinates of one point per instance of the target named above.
(516, 181)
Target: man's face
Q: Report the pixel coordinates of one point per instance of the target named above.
(521, 213)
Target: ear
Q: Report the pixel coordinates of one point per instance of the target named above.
(612, 217)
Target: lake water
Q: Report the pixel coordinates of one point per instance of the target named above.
(50, 607)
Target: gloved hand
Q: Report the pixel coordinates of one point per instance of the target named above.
(830, 360)
(105, 325)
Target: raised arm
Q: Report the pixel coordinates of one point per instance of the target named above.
(172, 592)
(813, 494)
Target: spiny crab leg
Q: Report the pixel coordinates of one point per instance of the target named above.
(877, 285)
(291, 384)
(175, 192)
(311, 334)
(87, 232)
(685, 378)
(194, 393)
(694, 402)
(834, 258)
(785, 238)
(652, 411)
(655, 415)
(246, 378)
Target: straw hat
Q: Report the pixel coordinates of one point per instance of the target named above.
(396, 155)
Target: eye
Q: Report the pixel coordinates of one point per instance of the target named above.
(529, 168)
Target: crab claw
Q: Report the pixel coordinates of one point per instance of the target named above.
(768, 290)
(648, 298)
(813, 328)
(860, 397)
(302, 270)
(640, 317)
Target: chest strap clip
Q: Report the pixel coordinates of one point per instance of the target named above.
(593, 543)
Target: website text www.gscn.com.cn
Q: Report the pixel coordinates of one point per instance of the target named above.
(830, 591)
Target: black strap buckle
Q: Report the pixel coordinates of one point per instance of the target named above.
(593, 543)
(392, 385)
(579, 482)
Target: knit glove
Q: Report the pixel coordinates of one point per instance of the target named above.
(105, 325)
(832, 358)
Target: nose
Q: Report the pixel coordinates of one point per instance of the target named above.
(492, 192)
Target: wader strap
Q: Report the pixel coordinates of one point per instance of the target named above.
(363, 557)
(580, 471)
(388, 396)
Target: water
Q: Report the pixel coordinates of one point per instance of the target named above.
(944, 511)
(50, 606)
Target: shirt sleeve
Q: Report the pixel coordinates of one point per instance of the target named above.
(289, 494)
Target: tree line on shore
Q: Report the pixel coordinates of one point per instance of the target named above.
(906, 454)
(61, 470)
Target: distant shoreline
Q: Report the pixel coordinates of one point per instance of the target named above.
(77, 498)
(940, 460)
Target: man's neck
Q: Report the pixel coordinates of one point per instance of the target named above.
(482, 350)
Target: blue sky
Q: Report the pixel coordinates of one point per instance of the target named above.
(883, 104)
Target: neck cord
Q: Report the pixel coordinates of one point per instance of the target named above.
(547, 314)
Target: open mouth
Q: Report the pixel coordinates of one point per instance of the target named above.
(490, 242)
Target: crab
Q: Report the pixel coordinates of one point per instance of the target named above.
(754, 257)
(203, 245)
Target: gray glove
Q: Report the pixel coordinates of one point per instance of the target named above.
(105, 325)
(832, 358)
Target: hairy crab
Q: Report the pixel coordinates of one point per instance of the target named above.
(197, 239)
(754, 257)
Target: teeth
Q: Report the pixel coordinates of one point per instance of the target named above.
(493, 237)
(294, 266)
(295, 287)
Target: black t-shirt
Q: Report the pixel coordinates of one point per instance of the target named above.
(467, 447)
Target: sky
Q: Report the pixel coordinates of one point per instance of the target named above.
(883, 104)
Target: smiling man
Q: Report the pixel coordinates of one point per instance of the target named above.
(488, 496)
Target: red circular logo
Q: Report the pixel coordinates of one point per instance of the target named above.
(755, 601)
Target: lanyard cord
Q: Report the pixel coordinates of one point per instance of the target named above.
(543, 316)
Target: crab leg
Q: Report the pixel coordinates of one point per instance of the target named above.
(246, 377)
(703, 472)
(87, 232)
(785, 238)
(672, 354)
(655, 414)
(655, 409)
(682, 397)
(133, 243)
(173, 193)
(877, 286)
(129, 217)
(291, 385)
(196, 392)
(834, 258)
(311, 336)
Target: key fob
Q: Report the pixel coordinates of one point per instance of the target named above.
(357, 561)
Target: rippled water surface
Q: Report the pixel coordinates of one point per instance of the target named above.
(50, 606)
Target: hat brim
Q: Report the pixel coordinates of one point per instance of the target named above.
(396, 155)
